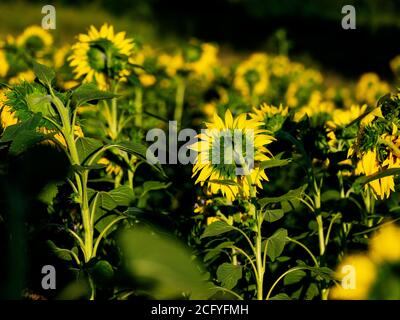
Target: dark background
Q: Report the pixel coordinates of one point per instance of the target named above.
(312, 27)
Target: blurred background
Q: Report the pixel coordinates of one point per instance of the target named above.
(307, 30)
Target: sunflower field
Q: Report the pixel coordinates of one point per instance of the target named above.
(102, 180)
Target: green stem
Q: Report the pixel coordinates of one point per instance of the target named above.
(281, 277)
(138, 106)
(306, 249)
(179, 100)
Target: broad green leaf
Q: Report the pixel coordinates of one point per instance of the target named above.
(86, 146)
(150, 186)
(323, 273)
(330, 195)
(360, 182)
(165, 264)
(39, 102)
(273, 163)
(273, 215)
(23, 135)
(106, 201)
(153, 186)
(216, 228)
(275, 244)
(89, 92)
(102, 272)
(63, 254)
(123, 195)
(140, 151)
(280, 296)
(215, 251)
(291, 195)
(229, 274)
(45, 74)
(312, 291)
(49, 192)
(294, 277)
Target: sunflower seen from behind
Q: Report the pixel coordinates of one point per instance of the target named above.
(102, 55)
(221, 160)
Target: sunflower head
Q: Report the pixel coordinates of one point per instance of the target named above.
(251, 76)
(101, 55)
(272, 117)
(35, 40)
(370, 88)
(377, 145)
(201, 59)
(229, 153)
(4, 66)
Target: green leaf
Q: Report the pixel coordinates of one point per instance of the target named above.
(140, 151)
(63, 254)
(276, 243)
(360, 182)
(280, 296)
(273, 163)
(165, 266)
(39, 102)
(122, 196)
(330, 195)
(23, 135)
(229, 274)
(294, 277)
(290, 196)
(323, 273)
(49, 192)
(88, 92)
(106, 201)
(102, 272)
(45, 74)
(216, 228)
(87, 146)
(273, 215)
(215, 251)
(153, 186)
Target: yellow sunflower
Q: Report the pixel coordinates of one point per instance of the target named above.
(370, 88)
(201, 59)
(100, 55)
(7, 116)
(385, 244)
(357, 274)
(36, 40)
(251, 76)
(218, 159)
(4, 66)
(272, 117)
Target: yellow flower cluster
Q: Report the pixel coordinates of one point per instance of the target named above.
(358, 272)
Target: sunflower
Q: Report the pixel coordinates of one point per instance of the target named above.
(4, 66)
(370, 88)
(221, 173)
(385, 244)
(272, 117)
(7, 116)
(316, 107)
(395, 65)
(364, 273)
(27, 76)
(111, 168)
(35, 40)
(201, 59)
(101, 55)
(251, 76)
